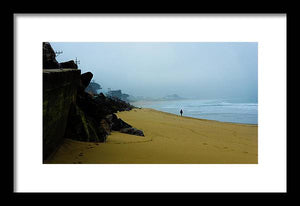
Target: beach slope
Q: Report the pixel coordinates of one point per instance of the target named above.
(169, 139)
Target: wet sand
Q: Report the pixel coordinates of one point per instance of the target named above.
(169, 139)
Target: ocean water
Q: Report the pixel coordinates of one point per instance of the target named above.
(233, 110)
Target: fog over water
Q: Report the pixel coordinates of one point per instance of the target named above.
(188, 69)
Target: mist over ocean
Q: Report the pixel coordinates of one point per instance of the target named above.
(224, 110)
(203, 70)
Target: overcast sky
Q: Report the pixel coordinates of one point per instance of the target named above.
(189, 69)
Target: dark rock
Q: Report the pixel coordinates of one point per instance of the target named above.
(86, 78)
(84, 128)
(70, 112)
(101, 97)
(87, 103)
(92, 118)
(69, 65)
(59, 92)
(111, 118)
(120, 124)
(132, 131)
(105, 125)
(49, 57)
(116, 123)
(50, 62)
(112, 104)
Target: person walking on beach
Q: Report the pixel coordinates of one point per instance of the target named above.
(181, 112)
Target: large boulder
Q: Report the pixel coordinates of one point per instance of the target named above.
(88, 105)
(116, 123)
(92, 118)
(84, 128)
(49, 57)
(111, 118)
(112, 105)
(120, 124)
(132, 131)
(86, 79)
(68, 65)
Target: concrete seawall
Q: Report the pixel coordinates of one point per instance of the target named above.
(59, 92)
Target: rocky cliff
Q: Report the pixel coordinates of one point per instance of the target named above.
(59, 93)
(70, 112)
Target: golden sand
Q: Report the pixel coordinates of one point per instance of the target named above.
(169, 139)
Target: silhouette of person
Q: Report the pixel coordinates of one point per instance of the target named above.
(181, 112)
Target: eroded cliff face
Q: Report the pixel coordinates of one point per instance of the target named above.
(59, 93)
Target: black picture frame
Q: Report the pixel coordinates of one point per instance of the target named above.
(74, 196)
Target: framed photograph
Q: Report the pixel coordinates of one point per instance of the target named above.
(150, 103)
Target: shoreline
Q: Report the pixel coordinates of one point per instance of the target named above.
(169, 139)
(226, 112)
(199, 118)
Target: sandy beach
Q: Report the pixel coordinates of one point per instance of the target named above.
(169, 139)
